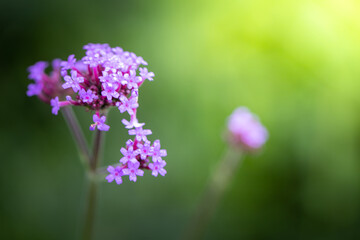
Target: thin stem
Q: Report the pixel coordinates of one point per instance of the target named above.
(213, 193)
(96, 150)
(92, 195)
(90, 210)
(76, 132)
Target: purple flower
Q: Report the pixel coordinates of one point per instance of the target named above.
(37, 71)
(133, 170)
(158, 167)
(140, 133)
(110, 90)
(115, 174)
(145, 149)
(246, 129)
(95, 54)
(99, 122)
(67, 64)
(127, 104)
(129, 155)
(34, 89)
(105, 77)
(133, 123)
(129, 143)
(56, 63)
(158, 153)
(73, 81)
(131, 80)
(139, 60)
(87, 96)
(55, 105)
(146, 75)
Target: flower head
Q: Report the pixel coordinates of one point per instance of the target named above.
(245, 129)
(105, 77)
(45, 86)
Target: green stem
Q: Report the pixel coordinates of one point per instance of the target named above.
(77, 133)
(213, 193)
(90, 210)
(98, 142)
(92, 194)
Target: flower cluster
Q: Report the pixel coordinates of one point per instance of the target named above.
(246, 130)
(136, 157)
(105, 77)
(45, 86)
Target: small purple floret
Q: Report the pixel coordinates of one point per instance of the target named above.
(110, 90)
(140, 133)
(73, 81)
(145, 74)
(115, 174)
(158, 153)
(127, 105)
(67, 64)
(87, 96)
(133, 171)
(133, 123)
(34, 89)
(37, 71)
(129, 155)
(158, 167)
(55, 105)
(145, 149)
(99, 122)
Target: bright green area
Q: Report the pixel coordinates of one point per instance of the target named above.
(294, 63)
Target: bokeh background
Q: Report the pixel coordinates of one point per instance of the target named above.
(295, 63)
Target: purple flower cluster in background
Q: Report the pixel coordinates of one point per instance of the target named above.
(45, 86)
(105, 77)
(246, 130)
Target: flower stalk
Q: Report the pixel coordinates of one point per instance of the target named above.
(77, 134)
(213, 193)
(89, 218)
(245, 134)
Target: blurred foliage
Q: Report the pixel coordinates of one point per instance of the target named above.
(294, 63)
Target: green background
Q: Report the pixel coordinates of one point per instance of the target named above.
(294, 63)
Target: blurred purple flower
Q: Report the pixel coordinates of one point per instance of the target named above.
(246, 129)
